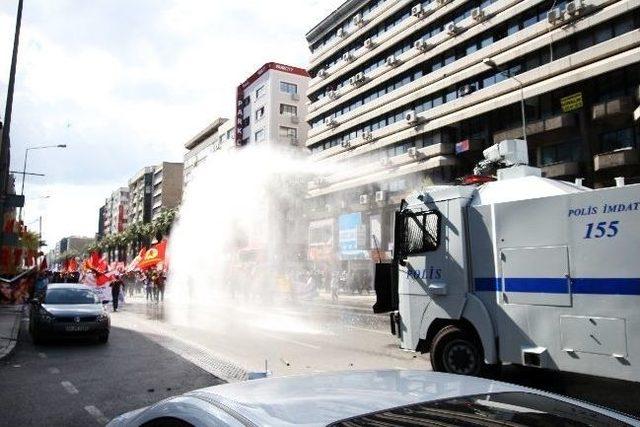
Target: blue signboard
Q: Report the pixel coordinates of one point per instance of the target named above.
(348, 225)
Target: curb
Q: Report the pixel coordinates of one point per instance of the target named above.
(13, 339)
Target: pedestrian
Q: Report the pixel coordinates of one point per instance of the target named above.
(148, 286)
(116, 286)
(160, 283)
(335, 286)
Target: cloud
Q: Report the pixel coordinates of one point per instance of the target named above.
(126, 83)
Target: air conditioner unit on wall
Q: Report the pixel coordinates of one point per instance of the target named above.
(330, 122)
(357, 19)
(452, 29)
(466, 90)
(440, 3)
(412, 152)
(322, 73)
(477, 14)
(574, 8)
(364, 199)
(380, 196)
(346, 143)
(347, 57)
(341, 33)
(357, 79)
(418, 11)
(391, 61)
(332, 94)
(410, 117)
(421, 45)
(554, 16)
(367, 135)
(368, 43)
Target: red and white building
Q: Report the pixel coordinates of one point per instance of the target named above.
(271, 106)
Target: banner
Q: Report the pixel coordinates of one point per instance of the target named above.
(154, 256)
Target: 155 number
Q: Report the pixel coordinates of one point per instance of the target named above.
(602, 229)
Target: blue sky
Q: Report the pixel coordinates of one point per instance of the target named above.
(125, 83)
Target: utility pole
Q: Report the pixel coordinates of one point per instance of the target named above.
(5, 141)
(4, 148)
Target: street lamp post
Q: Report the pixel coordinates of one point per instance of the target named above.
(491, 63)
(24, 167)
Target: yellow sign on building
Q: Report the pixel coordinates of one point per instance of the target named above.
(571, 102)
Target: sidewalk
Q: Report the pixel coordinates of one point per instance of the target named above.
(10, 316)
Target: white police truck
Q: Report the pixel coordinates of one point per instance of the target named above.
(522, 270)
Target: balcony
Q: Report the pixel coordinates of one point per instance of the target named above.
(536, 127)
(615, 159)
(562, 169)
(615, 107)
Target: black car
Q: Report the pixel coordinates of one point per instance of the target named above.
(68, 310)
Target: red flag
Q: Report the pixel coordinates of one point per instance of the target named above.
(73, 265)
(43, 264)
(154, 256)
(136, 261)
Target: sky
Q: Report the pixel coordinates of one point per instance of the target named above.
(125, 84)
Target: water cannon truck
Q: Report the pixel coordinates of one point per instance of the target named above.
(517, 270)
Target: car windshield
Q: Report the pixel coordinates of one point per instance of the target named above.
(70, 296)
(512, 409)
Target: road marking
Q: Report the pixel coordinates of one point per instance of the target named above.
(95, 412)
(69, 387)
(54, 371)
(42, 355)
(315, 347)
(375, 331)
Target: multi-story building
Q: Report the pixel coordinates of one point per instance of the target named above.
(141, 196)
(271, 106)
(115, 211)
(204, 143)
(167, 187)
(101, 217)
(408, 93)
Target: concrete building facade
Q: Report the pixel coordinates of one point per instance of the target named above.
(167, 187)
(203, 144)
(141, 196)
(408, 93)
(115, 212)
(271, 106)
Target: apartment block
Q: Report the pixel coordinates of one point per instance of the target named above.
(407, 94)
(167, 187)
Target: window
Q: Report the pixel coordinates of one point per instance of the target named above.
(519, 408)
(617, 139)
(288, 87)
(288, 110)
(259, 136)
(260, 92)
(559, 153)
(417, 232)
(259, 113)
(287, 132)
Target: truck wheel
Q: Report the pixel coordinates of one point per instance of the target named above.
(455, 351)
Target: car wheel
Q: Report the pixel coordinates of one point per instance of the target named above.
(103, 338)
(455, 351)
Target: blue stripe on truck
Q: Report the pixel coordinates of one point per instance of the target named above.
(589, 286)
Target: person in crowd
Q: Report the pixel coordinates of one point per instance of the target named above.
(41, 284)
(159, 285)
(335, 286)
(148, 286)
(116, 287)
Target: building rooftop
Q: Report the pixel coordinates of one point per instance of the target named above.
(334, 18)
(205, 133)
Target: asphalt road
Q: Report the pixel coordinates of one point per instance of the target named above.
(81, 383)
(159, 350)
(312, 336)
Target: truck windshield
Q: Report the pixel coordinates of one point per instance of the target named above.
(512, 409)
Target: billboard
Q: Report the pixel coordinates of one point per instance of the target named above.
(351, 236)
